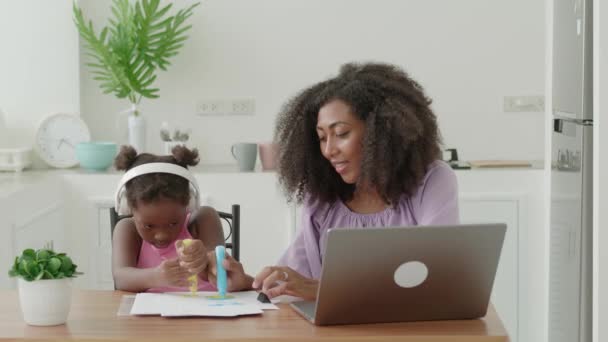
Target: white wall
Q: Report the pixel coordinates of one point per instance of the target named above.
(39, 66)
(468, 54)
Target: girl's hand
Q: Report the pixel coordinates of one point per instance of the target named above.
(281, 280)
(237, 279)
(193, 257)
(172, 274)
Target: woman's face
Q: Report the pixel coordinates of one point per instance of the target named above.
(341, 139)
(159, 222)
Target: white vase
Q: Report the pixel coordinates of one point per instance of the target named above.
(137, 133)
(45, 302)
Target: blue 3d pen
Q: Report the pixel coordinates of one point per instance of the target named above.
(220, 253)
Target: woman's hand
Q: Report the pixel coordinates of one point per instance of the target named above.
(281, 280)
(237, 279)
(170, 273)
(192, 257)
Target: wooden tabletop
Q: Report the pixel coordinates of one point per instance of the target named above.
(93, 316)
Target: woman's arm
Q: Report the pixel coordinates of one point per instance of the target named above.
(299, 268)
(282, 280)
(436, 202)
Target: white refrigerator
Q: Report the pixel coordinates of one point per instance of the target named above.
(570, 250)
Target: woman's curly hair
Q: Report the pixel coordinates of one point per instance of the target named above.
(401, 134)
(154, 186)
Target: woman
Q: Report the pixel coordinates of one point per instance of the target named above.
(358, 150)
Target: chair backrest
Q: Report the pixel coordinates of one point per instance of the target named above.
(233, 219)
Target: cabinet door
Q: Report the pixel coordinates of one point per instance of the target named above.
(564, 275)
(102, 249)
(6, 244)
(44, 229)
(505, 292)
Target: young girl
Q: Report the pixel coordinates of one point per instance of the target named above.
(148, 252)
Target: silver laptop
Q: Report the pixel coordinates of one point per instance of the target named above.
(376, 275)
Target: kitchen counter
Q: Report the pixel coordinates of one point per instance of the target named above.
(31, 175)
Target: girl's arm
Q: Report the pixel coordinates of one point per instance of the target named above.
(126, 244)
(207, 228)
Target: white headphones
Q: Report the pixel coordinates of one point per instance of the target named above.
(122, 207)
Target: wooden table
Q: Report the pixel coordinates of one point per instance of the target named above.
(93, 316)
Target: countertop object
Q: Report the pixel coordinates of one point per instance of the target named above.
(500, 163)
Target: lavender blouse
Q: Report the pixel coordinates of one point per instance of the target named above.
(434, 203)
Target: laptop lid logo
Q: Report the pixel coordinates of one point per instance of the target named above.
(411, 274)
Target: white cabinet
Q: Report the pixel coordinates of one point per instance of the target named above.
(488, 208)
(518, 198)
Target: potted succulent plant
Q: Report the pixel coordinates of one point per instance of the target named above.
(45, 285)
(140, 39)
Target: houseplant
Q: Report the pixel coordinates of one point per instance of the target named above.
(140, 39)
(44, 284)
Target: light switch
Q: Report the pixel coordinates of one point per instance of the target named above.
(513, 104)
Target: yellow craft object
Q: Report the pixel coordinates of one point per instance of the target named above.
(219, 297)
(193, 279)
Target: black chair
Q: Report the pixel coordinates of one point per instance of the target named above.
(233, 219)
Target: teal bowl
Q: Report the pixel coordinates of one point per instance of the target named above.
(96, 155)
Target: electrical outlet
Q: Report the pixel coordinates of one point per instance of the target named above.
(512, 104)
(210, 107)
(236, 106)
(242, 107)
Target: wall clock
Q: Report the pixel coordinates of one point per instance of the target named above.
(57, 137)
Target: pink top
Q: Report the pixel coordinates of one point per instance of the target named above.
(151, 256)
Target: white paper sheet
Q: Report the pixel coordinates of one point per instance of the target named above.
(177, 304)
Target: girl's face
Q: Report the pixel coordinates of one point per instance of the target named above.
(341, 139)
(160, 222)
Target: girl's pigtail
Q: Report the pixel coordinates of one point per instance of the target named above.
(184, 156)
(125, 158)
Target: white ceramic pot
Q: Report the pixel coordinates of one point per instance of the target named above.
(137, 132)
(45, 302)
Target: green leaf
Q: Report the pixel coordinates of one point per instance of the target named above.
(23, 266)
(42, 254)
(32, 268)
(54, 265)
(66, 263)
(29, 254)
